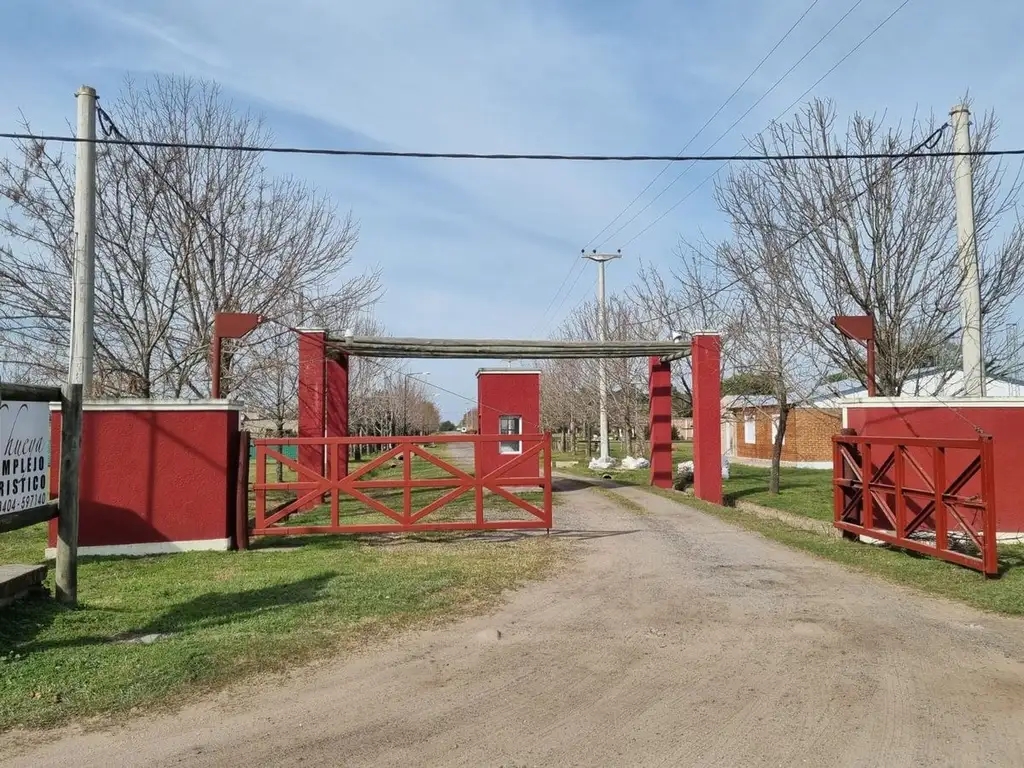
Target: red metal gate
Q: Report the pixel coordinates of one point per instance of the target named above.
(326, 501)
(896, 490)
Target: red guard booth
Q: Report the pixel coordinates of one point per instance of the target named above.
(508, 401)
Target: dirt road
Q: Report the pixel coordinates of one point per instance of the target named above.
(675, 640)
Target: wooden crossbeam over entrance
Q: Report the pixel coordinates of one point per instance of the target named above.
(493, 349)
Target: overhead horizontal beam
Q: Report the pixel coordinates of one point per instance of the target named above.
(30, 393)
(489, 349)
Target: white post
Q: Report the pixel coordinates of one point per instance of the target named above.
(602, 376)
(82, 295)
(970, 290)
(602, 384)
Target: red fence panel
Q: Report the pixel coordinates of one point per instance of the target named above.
(324, 500)
(928, 495)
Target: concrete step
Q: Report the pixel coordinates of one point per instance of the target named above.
(18, 580)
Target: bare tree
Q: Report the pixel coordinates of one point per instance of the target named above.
(663, 309)
(877, 236)
(570, 394)
(744, 284)
(181, 234)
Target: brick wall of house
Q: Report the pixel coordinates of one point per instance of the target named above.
(808, 434)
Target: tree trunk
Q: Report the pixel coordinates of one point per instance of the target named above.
(280, 466)
(780, 436)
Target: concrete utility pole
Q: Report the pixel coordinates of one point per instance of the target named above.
(967, 245)
(602, 320)
(82, 293)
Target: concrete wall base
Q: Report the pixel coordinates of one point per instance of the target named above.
(151, 548)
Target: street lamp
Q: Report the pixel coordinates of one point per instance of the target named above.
(405, 399)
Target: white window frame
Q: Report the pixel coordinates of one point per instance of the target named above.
(510, 447)
(775, 430)
(749, 429)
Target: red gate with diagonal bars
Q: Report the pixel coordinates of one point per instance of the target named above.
(928, 495)
(416, 484)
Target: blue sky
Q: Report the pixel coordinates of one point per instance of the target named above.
(478, 249)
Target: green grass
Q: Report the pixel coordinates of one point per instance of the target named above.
(806, 492)
(226, 616)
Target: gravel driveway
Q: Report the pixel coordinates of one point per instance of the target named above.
(673, 640)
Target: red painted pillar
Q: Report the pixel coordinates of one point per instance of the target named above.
(312, 367)
(337, 405)
(706, 357)
(661, 423)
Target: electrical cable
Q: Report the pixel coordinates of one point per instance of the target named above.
(795, 101)
(725, 133)
(929, 142)
(707, 122)
(751, 158)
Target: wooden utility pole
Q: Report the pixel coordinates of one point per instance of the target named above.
(66, 577)
(80, 367)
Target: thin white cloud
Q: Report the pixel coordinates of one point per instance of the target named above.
(483, 246)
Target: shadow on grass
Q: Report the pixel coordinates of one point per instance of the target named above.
(210, 609)
(735, 494)
(1010, 557)
(400, 539)
(22, 621)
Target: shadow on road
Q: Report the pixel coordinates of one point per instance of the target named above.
(570, 534)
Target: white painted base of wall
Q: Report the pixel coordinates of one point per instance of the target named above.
(153, 548)
(791, 464)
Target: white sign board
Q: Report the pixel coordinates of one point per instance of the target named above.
(24, 455)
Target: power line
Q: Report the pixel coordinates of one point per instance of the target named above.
(575, 266)
(795, 101)
(707, 122)
(734, 158)
(739, 119)
(736, 122)
(582, 270)
(930, 141)
(572, 267)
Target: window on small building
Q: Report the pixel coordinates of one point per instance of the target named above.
(750, 429)
(510, 425)
(775, 430)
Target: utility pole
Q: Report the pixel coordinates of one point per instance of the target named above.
(967, 245)
(602, 321)
(82, 292)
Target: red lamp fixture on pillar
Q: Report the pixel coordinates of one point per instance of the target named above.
(860, 328)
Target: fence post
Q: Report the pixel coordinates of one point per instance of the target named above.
(66, 577)
(846, 473)
(548, 480)
(990, 557)
(242, 493)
